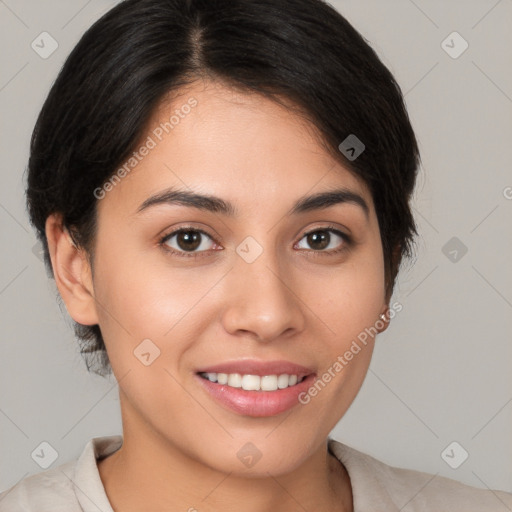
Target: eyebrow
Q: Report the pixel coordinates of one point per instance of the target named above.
(217, 205)
(330, 198)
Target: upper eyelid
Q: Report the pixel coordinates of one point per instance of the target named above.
(186, 228)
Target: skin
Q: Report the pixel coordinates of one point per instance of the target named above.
(294, 302)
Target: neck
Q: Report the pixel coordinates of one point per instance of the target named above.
(150, 473)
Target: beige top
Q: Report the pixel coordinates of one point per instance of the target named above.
(77, 487)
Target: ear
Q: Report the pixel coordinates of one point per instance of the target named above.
(72, 273)
(383, 320)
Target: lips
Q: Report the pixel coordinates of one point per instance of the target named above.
(261, 368)
(256, 402)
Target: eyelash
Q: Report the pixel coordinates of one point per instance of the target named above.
(347, 242)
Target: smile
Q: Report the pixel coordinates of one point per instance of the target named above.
(253, 382)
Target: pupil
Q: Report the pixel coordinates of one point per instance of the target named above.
(189, 240)
(319, 237)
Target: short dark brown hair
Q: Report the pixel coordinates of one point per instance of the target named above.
(131, 58)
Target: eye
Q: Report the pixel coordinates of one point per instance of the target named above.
(328, 240)
(187, 240)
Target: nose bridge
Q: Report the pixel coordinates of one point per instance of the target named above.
(262, 302)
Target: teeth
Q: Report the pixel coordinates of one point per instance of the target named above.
(282, 381)
(254, 382)
(271, 382)
(251, 382)
(222, 378)
(234, 379)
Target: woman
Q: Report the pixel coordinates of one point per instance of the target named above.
(222, 192)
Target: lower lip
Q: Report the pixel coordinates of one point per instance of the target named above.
(256, 403)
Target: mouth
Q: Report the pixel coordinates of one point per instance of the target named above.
(255, 395)
(249, 382)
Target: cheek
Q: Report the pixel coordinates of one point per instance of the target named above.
(139, 299)
(351, 298)
(148, 319)
(349, 302)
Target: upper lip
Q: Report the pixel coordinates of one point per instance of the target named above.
(261, 368)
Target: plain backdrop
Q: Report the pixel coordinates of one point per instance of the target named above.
(440, 374)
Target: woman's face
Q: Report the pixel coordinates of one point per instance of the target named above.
(255, 278)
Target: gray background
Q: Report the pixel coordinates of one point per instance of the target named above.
(440, 373)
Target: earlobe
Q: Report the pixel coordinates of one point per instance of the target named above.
(72, 272)
(383, 321)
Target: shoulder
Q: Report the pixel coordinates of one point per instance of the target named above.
(50, 490)
(70, 487)
(378, 486)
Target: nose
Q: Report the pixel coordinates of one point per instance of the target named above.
(261, 301)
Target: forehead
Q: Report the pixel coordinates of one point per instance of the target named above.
(242, 146)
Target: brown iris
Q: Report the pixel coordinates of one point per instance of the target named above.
(188, 240)
(319, 239)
